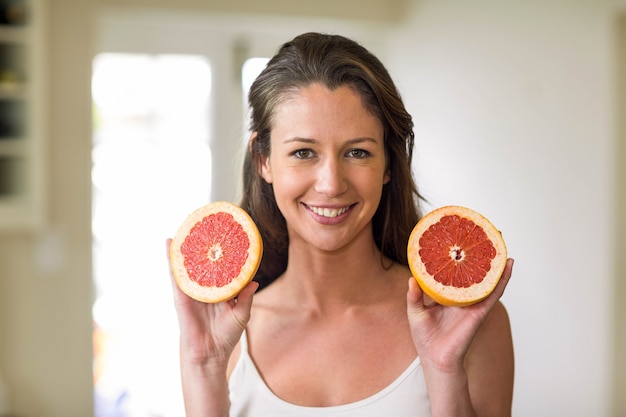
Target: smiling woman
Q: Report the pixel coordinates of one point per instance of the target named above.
(330, 139)
(334, 329)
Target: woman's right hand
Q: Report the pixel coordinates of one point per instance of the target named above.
(208, 336)
(210, 332)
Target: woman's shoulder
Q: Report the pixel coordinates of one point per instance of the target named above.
(490, 362)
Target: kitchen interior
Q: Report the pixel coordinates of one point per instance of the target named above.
(117, 117)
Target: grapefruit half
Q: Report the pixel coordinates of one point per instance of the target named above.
(456, 255)
(215, 252)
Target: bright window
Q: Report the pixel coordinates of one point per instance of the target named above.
(252, 67)
(151, 167)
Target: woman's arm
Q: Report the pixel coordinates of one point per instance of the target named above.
(467, 353)
(205, 389)
(489, 364)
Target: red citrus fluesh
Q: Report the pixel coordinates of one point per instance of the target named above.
(456, 255)
(216, 252)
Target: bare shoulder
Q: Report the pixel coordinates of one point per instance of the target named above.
(497, 323)
(493, 339)
(490, 365)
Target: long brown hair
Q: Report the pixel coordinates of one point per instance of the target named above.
(332, 61)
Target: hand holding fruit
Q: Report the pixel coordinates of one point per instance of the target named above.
(210, 331)
(459, 263)
(443, 334)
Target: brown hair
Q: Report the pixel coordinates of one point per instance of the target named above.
(332, 61)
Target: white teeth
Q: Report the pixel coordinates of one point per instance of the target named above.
(326, 212)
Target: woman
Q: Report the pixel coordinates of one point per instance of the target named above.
(335, 330)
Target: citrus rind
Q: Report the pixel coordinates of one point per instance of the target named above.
(214, 294)
(449, 295)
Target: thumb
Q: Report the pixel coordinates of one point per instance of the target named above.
(414, 294)
(417, 302)
(414, 299)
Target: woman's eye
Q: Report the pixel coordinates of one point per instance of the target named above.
(358, 153)
(303, 153)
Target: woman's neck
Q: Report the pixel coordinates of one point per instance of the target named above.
(352, 275)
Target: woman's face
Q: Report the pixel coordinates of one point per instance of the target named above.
(327, 166)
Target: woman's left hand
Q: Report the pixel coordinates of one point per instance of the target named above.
(443, 335)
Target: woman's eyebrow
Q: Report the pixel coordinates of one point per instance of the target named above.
(349, 142)
(361, 140)
(299, 139)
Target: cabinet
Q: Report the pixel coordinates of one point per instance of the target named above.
(21, 104)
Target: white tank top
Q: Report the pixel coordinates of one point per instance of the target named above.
(251, 397)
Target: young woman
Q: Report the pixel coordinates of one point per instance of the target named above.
(334, 329)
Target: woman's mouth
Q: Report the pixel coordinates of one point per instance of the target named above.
(328, 212)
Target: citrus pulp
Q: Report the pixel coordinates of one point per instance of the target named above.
(216, 252)
(456, 255)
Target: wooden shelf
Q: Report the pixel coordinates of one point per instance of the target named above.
(21, 107)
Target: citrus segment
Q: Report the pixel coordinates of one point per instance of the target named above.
(215, 252)
(227, 244)
(456, 255)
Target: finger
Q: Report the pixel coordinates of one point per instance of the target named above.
(415, 298)
(168, 254)
(498, 291)
(414, 293)
(243, 304)
(505, 278)
(428, 302)
(168, 244)
(247, 292)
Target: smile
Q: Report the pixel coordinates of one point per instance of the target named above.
(328, 212)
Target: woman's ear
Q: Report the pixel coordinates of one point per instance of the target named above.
(265, 169)
(251, 142)
(387, 177)
(263, 164)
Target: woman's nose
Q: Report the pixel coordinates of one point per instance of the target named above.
(331, 180)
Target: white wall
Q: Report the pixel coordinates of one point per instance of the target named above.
(513, 109)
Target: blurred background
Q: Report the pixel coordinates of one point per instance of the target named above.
(125, 115)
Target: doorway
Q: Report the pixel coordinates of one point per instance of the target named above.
(151, 167)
